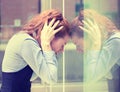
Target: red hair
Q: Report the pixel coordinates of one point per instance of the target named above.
(106, 26)
(36, 24)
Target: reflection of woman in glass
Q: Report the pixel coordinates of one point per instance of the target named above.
(99, 39)
(33, 50)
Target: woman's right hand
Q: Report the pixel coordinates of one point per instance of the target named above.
(47, 34)
(93, 32)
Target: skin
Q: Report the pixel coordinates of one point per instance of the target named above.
(93, 38)
(79, 42)
(49, 42)
(82, 44)
(91, 41)
(58, 44)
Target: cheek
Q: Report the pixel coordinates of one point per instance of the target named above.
(56, 46)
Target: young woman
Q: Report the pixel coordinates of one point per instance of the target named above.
(99, 39)
(33, 51)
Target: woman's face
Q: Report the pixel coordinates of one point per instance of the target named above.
(78, 41)
(82, 44)
(58, 44)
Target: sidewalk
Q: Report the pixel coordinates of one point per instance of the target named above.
(67, 87)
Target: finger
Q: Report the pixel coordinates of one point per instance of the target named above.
(95, 23)
(57, 30)
(45, 28)
(90, 22)
(55, 25)
(51, 22)
(97, 28)
(45, 25)
(84, 29)
(89, 26)
(86, 24)
(89, 35)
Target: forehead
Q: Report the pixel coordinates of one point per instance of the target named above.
(75, 36)
(64, 39)
(75, 30)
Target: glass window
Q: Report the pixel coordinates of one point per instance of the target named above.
(15, 13)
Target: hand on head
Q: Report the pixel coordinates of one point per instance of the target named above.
(92, 33)
(48, 32)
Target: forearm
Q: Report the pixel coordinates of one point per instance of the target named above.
(49, 69)
(43, 63)
(46, 46)
(90, 60)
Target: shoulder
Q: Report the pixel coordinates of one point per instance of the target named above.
(115, 35)
(19, 39)
(113, 40)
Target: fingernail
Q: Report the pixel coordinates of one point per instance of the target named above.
(58, 21)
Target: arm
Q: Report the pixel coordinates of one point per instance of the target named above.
(43, 64)
(102, 61)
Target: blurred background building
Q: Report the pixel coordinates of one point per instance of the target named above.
(15, 13)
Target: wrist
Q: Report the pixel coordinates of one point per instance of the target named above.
(46, 47)
(96, 46)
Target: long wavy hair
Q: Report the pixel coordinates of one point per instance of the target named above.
(35, 25)
(107, 27)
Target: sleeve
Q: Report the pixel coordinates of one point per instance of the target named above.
(101, 62)
(43, 64)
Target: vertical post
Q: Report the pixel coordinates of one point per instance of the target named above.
(0, 14)
(50, 8)
(118, 13)
(0, 21)
(45, 5)
(50, 4)
(63, 10)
